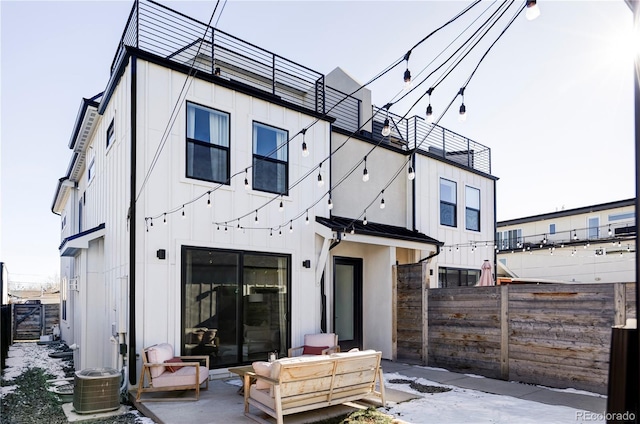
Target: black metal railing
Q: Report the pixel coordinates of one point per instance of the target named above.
(170, 35)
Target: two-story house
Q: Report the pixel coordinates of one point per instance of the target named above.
(590, 244)
(227, 200)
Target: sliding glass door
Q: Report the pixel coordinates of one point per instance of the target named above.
(235, 304)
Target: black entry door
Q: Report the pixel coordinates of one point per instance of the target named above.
(347, 301)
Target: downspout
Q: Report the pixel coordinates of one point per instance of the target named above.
(495, 232)
(413, 193)
(436, 253)
(132, 229)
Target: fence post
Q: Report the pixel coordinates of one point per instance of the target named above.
(504, 332)
(619, 304)
(426, 283)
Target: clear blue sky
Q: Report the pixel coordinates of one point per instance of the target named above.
(553, 99)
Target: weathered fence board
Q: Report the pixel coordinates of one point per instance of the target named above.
(34, 320)
(410, 318)
(550, 334)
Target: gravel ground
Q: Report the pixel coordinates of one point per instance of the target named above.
(25, 398)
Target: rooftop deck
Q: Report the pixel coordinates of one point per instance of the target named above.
(170, 35)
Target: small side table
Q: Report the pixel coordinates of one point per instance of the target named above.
(241, 371)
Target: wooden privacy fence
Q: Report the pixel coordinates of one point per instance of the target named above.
(556, 335)
(30, 321)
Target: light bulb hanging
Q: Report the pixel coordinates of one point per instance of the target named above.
(306, 220)
(305, 151)
(183, 215)
(226, 227)
(386, 128)
(533, 10)
(463, 109)
(209, 199)
(281, 207)
(411, 173)
(329, 202)
(365, 172)
(238, 228)
(407, 73)
(364, 221)
(353, 230)
(246, 179)
(255, 221)
(164, 219)
(430, 116)
(610, 230)
(151, 222)
(320, 180)
(382, 205)
(291, 226)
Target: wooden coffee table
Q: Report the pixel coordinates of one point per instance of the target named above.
(241, 371)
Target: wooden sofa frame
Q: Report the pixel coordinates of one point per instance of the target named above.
(304, 384)
(188, 361)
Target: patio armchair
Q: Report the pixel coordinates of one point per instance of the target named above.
(316, 344)
(165, 372)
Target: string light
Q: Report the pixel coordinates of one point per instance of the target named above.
(164, 219)
(238, 228)
(353, 230)
(407, 73)
(463, 109)
(386, 128)
(365, 172)
(183, 215)
(306, 220)
(151, 221)
(209, 199)
(382, 205)
(411, 174)
(430, 117)
(320, 180)
(246, 179)
(255, 221)
(329, 202)
(281, 207)
(609, 230)
(533, 10)
(305, 151)
(291, 226)
(364, 221)
(575, 235)
(319, 173)
(226, 227)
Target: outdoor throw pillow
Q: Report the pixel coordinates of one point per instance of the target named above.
(313, 350)
(173, 360)
(264, 369)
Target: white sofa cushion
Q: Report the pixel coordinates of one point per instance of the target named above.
(320, 339)
(185, 376)
(264, 369)
(157, 355)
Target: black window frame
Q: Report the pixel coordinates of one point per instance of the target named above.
(226, 179)
(111, 133)
(469, 210)
(447, 204)
(258, 182)
(444, 271)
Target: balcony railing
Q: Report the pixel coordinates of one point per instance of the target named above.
(170, 35)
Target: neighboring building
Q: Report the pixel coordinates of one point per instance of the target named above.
(195, 218)
(592, 244)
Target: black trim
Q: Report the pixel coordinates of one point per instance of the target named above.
(81, 234)
(339, 224)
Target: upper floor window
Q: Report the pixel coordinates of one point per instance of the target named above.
(510, 239)
(207, 144)
(472, 209)
(593, 231)
(270, 159)
(448, 203)
(110, 134)
(552, 228)
(91, 172)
